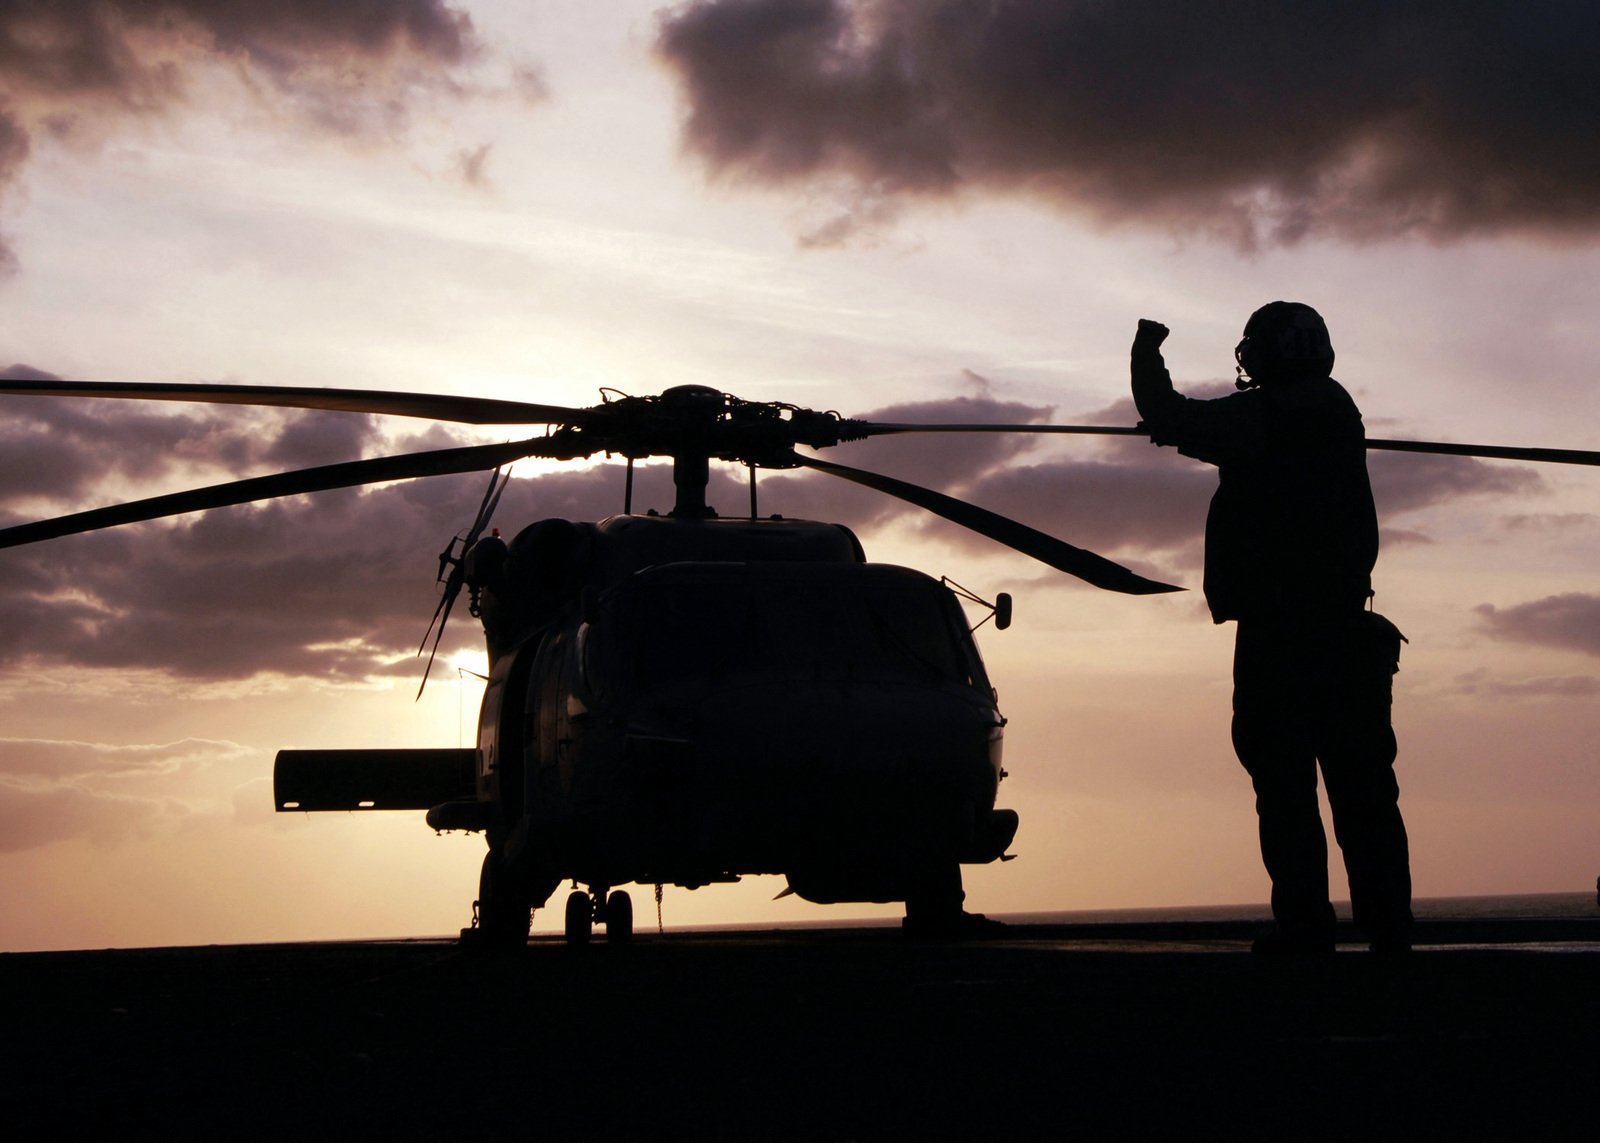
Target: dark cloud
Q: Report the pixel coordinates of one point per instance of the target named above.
(63, 450)
(1157, 507)
(14, 149)
(1406, 482)
(1128, 501)
(1550, 522)
(529, 83)
(1136, 500)
(1265, 122)
(473, 164)
(133, 54)
(944, 458)
(943, 461)
(335, 585)
(338, 584)
(1569, 622)
(74, 68)
(1482, 682)
(22, 372)
(1402, 538)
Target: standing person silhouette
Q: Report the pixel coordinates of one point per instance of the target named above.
(1291, 540)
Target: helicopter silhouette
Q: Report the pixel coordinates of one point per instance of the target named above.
(687, 698)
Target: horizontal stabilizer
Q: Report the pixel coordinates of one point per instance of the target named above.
(372, 779)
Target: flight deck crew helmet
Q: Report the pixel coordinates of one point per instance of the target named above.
(1283, 340)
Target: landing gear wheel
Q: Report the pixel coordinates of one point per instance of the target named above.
(580, 917)
(619, 918)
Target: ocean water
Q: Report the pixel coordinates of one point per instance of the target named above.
(1545, 906)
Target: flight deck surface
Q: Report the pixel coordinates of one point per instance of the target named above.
(828, 1033)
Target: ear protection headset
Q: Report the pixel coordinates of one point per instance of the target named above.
(1282, 340)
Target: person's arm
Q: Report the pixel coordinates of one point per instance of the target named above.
(1215, 431)
(1157, 401)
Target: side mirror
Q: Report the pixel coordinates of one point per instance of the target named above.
(1002, 611)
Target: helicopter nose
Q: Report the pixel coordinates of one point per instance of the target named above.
(799, 761)
(863, 734)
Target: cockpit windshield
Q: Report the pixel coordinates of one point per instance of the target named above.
(856, 624)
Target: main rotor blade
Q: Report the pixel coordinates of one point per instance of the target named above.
(438, 407)
(439, 462)
(1492, 452)
(1087, 566)
(880, 428)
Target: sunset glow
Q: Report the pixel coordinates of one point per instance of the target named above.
(543, 200)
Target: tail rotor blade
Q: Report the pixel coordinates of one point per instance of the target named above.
(491, 501)
(452, 587)
(441, 616)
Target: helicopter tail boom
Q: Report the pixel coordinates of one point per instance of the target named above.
(304, 780)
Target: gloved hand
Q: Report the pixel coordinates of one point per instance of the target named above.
(1151, 334)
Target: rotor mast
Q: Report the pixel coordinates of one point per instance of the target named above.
(697, 409)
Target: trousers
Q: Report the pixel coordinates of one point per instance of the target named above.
(1316, 690)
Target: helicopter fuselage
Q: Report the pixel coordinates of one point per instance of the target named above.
(683, 702)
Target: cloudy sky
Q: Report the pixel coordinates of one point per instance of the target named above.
(942, 209)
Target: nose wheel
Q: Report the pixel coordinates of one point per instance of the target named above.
(612, 908)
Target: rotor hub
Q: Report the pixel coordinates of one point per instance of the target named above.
(698, 421)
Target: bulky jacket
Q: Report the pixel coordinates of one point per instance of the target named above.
(1292, 529)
